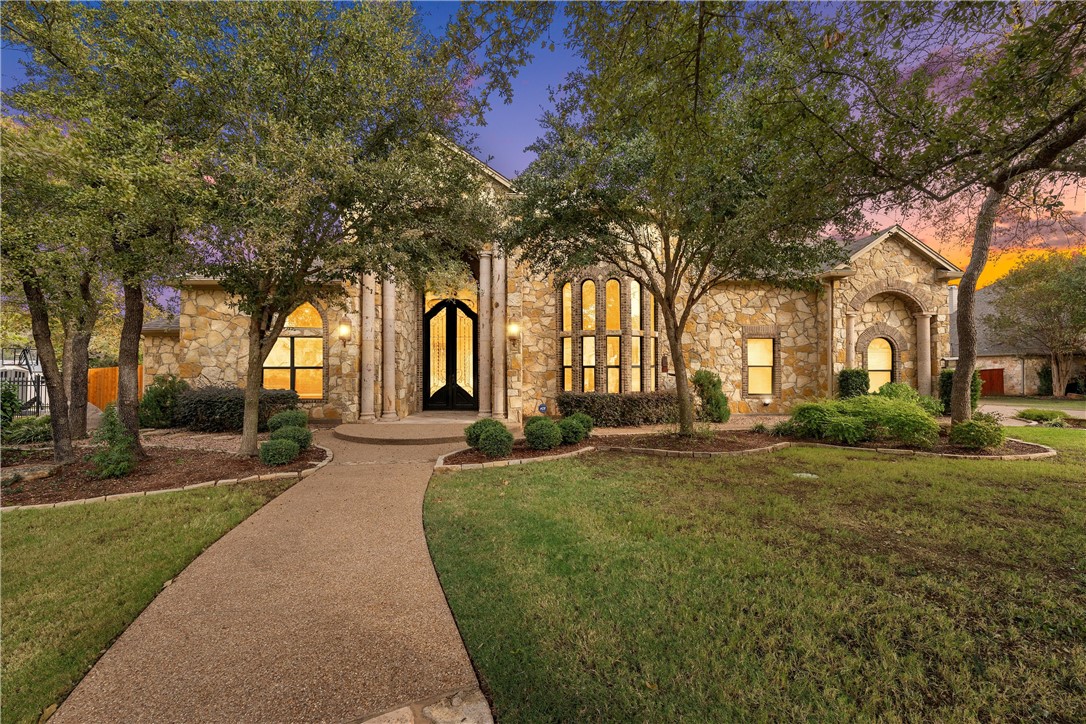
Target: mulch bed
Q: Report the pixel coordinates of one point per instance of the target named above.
(521, 451)
(166, 468)
(12, 457)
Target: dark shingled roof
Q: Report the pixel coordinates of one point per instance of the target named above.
(987, 344)
(163, 324)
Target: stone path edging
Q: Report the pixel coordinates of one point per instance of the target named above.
(1047, 452)
(441, 467)
(298, 475)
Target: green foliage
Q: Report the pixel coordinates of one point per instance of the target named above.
(852, 382)
(9, 402)
(932, 405)
(810, 419)
(1037, 415)
(278, 452)
(543, 434)
(534, 420)
(495, 442)
(300, 436)
(476, 429)
(845, 430)
(294, 418)
(625, 409)
(898, 391)
(761, 428)
(27, 430)
(116, 455)
(572, 430)
(158, 408)
(977, 434)
(217, 408)
(946, 385)
(784, 428)
(714, 403)
(585, 420)
(878, 418)
(1044, 380)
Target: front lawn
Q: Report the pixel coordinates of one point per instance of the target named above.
(1046, 403)
(74, 578)
(629, 588)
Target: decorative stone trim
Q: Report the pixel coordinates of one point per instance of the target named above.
(207, 484)
(441, 467)
(1046, 453)
(913, 295)
(898, 344)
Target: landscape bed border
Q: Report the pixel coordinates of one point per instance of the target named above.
(299, 475)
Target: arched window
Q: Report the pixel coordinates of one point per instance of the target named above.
(296, 362)
(567, 307)
(880, 363)
(635, 306)
(588, 305)
(613, 297)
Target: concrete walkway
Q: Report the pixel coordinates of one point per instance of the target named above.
(322, 606)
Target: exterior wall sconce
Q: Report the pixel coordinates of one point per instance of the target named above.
(344, 330)
(767, 400)
(513, 332)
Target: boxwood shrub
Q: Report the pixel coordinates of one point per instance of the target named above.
(946, 384)
(495, 442)
(278, 452)
(158, 407)
(294, 418)
(542, 434)
(302, 437)
(714, 403)
(475, 430)
(977, 434)
(585, 420)
(221, 408)
(852, 382)
(572, 430)
(624, 409)
(873, 417)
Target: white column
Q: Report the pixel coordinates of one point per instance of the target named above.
(497, 330)
(388, 350)
(369, 356)
(850, 339)
(923, 354)
(829, 338)
(483, 344)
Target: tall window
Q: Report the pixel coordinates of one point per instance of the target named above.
(880, 363)
(614, 364)
(588, 305)
(652, 344)
(613, 297)
(588, 363)
(635, 364)
(635, 306)
(760, 366)
(296, 362)
(567, 307)
(567, 364)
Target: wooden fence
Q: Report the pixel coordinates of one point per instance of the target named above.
(102, 385)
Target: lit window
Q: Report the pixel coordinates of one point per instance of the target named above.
(588, 363)
(614, 304)
(652, 364)
(588, 305)
(567, 307)
(635, 364)
(296, 362)
(567, 364)
(614, 364)
(759, 366)
(635, 306)
(880, 363)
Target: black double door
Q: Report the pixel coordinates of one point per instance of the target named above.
(451, 375)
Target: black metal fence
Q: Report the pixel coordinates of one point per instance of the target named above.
(21, 368)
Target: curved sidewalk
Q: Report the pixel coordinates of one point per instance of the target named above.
(322, 606)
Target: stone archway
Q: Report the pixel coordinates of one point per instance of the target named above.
(898, 344)
(915, 298)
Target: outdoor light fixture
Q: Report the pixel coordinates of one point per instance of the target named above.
(344, 331)
(514, 329)
(767, 400)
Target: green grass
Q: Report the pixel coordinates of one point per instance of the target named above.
(1037, 414)
(74, 578)
(1046, 403)
(628, 588)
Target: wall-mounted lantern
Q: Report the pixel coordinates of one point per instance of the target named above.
(344, 330)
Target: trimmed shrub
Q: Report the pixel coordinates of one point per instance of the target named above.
(543, 434)
(9, 402)
(534, 420)
(714, 403)
(898, 391)
(1034, 414)
(845, 430)
(221, 408)
(477, 428)
(116, 455)
(811, 418)
(946, 384)
(158, 408)
(300, 436)
(628, 408)
(852, 382)
(977, 435)
(288, 418)
(585, 420)
(880, 418)
(27, 430)
(278, 452)
(495, 442)
(932, 405)
(572, 430)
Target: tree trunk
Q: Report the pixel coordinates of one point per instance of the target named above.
(254, 378)
(961, 408)
(1061, 374)
(682, 382)
(77, 338)
(54, 381)
(128, 360)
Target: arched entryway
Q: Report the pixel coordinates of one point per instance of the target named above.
(880, 363)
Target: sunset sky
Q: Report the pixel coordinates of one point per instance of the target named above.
(510, 128)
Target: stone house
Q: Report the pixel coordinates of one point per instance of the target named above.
(508, 344)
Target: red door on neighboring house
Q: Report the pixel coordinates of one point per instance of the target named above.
(991, 382)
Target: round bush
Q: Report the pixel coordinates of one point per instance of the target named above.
(543, 434)
(535, 419)
(475, 430)
(288, 418)
(585, 420)
(898, 391)
(300, 436)
(977, 435)
(495, 442)
(278, 452)
(852, 382)
(572, 431)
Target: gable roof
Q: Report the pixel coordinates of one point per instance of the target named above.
(859, 247)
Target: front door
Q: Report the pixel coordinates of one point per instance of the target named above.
(450, 329)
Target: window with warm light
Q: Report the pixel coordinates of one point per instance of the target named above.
(588, 364)
(614, 364)
(567, 307)
(296, 362)
(759, 366)
(613, 298)
(880, 363)
(588, 305)
(567, 364)
(635, 364)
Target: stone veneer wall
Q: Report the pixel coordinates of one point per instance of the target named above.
(159, 355)
(1013, 366)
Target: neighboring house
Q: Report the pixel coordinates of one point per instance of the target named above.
(1004, 369)
(509, 345)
